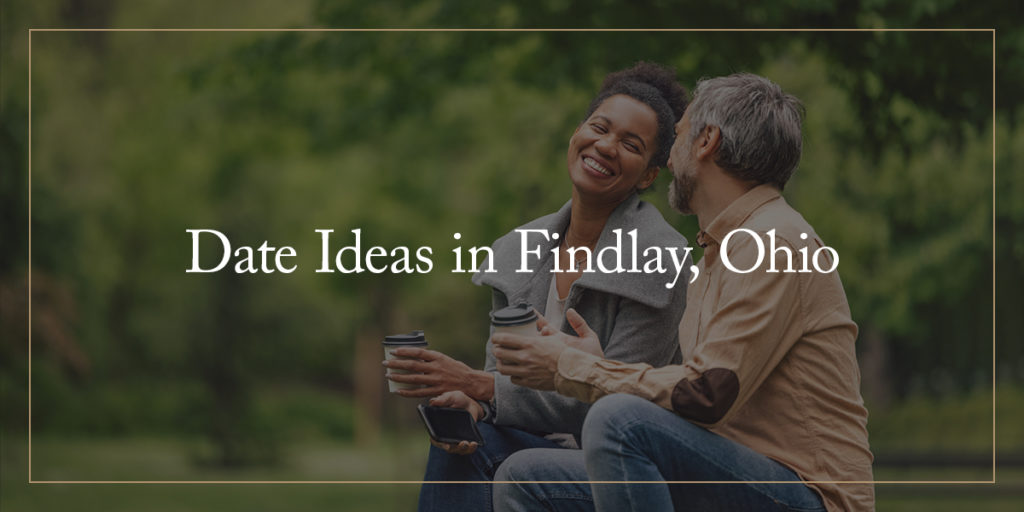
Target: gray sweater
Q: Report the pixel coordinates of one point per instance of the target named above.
(633, 314)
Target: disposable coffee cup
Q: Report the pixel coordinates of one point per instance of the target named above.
(414, 339)
(518, 319)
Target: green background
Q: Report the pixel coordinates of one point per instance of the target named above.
(143, 372)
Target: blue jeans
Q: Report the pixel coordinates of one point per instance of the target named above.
(499, 443)
(627, 438)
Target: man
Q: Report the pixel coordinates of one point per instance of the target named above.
(769, 386)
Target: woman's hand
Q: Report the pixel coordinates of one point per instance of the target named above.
(438, 374)
(458, 400)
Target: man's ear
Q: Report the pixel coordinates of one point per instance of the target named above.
(708, 142)
(650, 175)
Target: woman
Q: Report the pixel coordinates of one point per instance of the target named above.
(613, 154)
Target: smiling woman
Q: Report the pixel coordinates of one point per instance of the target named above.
(615, 152)
(610, 154)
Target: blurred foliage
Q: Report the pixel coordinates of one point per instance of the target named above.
(413, 136)
(965, 422)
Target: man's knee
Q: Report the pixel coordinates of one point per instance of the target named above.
(507, 494)
(517, 467)
(611, 413)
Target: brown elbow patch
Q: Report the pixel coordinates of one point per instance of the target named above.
(707, 398)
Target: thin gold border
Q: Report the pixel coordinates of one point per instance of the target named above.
(30, 256)
(511, 30)
(993, 256)
(31, 480)
(694, 482)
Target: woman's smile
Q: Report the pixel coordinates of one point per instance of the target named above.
(596, 166)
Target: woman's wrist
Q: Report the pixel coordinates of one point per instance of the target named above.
(482, 385)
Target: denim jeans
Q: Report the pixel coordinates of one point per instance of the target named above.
(627, 438)
(499, 443)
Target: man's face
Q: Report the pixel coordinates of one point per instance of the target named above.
(683, 165)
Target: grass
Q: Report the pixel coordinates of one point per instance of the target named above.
(399, 458)
(152, 459)
(954, 425)
(392, 459)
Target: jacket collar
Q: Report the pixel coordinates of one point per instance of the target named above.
(632, 213)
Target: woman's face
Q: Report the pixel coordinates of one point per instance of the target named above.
(609, 153)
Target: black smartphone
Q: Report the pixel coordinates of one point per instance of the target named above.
(448, 425)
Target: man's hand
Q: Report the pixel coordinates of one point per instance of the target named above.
(439, 374)
(587, 340)
(458, 400)
(533, 361)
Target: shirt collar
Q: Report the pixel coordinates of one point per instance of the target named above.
(734, 215)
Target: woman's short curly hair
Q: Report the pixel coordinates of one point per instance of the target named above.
(655, 86)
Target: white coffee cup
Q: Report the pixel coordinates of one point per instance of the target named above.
(414, 339)
(519, 319)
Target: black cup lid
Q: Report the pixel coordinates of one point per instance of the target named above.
(414, 337)
(514, 315)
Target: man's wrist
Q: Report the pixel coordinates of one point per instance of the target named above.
(574, 364)
(556, 354)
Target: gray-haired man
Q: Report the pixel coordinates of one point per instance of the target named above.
(766, 403)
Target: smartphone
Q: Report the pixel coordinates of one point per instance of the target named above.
(448, 425)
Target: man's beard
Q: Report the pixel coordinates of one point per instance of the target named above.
(680, 193)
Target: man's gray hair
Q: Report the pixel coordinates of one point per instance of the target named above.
(760, 126)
